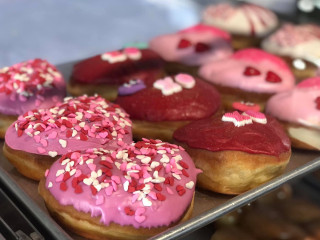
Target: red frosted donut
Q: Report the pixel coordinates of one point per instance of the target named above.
(28, 85)
(39, 137)
(104, 73)
(128, 193)
(172, 102)
(236, 151)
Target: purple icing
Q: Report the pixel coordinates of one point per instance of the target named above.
(132, 87)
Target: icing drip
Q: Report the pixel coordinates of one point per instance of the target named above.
(137, 184)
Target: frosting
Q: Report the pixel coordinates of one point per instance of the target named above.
(252, 70)
(193, 46)
(75, 124)
(299, 105)
(213, 134)
(139, 184)
(244, 19)
(151, 104)
(28, 85)
(245, 106)
(118, 67)
(296, 41)
(132, 87)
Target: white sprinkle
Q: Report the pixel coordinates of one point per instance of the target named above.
(72, 172)
(126, 186)
(146, 160)
(74, 133)
(154, 164)
(89, 161)
(190, 185)
(176, 176)
(82, 124)
(146, 180)
(161, 151)
(117, 164)
(99, 172)
(164, 159)
(53, 154)
(59, 172)
(87, 181)
(50, 185)
(158, 180)
(63, 143)
(146, 202)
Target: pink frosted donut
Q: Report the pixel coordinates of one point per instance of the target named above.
(296, 41)
(242, 19)
(75, 124)
(28, 85)
(193, 46)
(249, 75)
(299, 110)
(138, 190)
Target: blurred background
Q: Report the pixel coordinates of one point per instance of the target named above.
(63, 31)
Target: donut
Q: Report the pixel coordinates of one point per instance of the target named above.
(186, 50)
(132, 192)
(236, 152)
(247, 23)
(299, 46)
(249, 75)
(157, 111)
(28, 85)
(299, 112)
(39, 137)
(104, 73)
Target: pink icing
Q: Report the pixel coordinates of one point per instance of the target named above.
(205, 28)
(310, 83)
(76, 124)
(139, 184)
(297, 105)
(167, 46)
(230, 72)
(28, 85)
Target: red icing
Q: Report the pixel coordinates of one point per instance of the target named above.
(202, 47)
(205, 28)
(94, 70)
(245, 106)
(215, 135)
(317, 101)
(251, 71)
(184, 43)
(310, 83)
(150, 104)
(272, 77)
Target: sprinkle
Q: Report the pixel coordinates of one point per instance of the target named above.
(185, 80)
(237, 119)
(41, 150)
(190, 185)
(52, 153)
(146, 202)
(50, 185)
(63, 143)
(59, 172)
(46, 172)
(256, 116)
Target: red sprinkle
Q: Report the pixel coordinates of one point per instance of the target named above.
(160, 197)
(129, 211)
(184, 172)
(184, 43)
(272, 77)
(158, 187)
(202, 47)
(183, 164)
(63, 186)
(93, 190)
(180, 189)
(78, 189)
(251, 71)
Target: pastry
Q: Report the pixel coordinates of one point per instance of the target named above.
(28, 85)
(236, 152)
(171, 102)
(186, 50)
(299, 112)
(128, 193)
(39, 137)
(249, 75)
(247, 23)
(299, 46)
(103, 74)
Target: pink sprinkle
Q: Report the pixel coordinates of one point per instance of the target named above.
(37, 138)
(92, 166)
(114, 186)
(44, 142)
(75, 155)
(63, 128)
(169, 191)
(109, 190)
(140, 211)
(139, 219)
(46, 173)
(78, 173)
(108, 159)
(123, 166)
(52, 135)
(100, 200)
(103, 134)
(41, 150)
(59, 178)
(135, 197)
(37, 103)
(116, 179)
(152, 195)
(168, 168)
(78, 128)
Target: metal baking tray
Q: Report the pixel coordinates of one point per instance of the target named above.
(208, 206)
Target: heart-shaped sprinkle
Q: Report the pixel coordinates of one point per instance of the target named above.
(245, 106)
(273, 77)
(167, 86)
(202, 47)
(129, 211)
(256, 116)
(184, 43)
(140, 218)
(236, 118)
(251, 71)
(114, 57)
(132, 53)
(185, 80)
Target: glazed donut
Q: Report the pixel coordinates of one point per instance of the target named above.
(236, 152)
(299, 112)
(189, 48)
(102, 74)
(247, 23)
(172, 102)
(132, 192)
(299, 45)
(28, 85)
(39, 137)
(249, 75)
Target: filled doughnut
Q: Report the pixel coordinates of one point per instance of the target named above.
(104, 73)
(171, 102)
(249, 75)
(28, 85)
(133, 192)
(236, 152)
(39, 137)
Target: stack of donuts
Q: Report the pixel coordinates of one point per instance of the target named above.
(145, 125)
